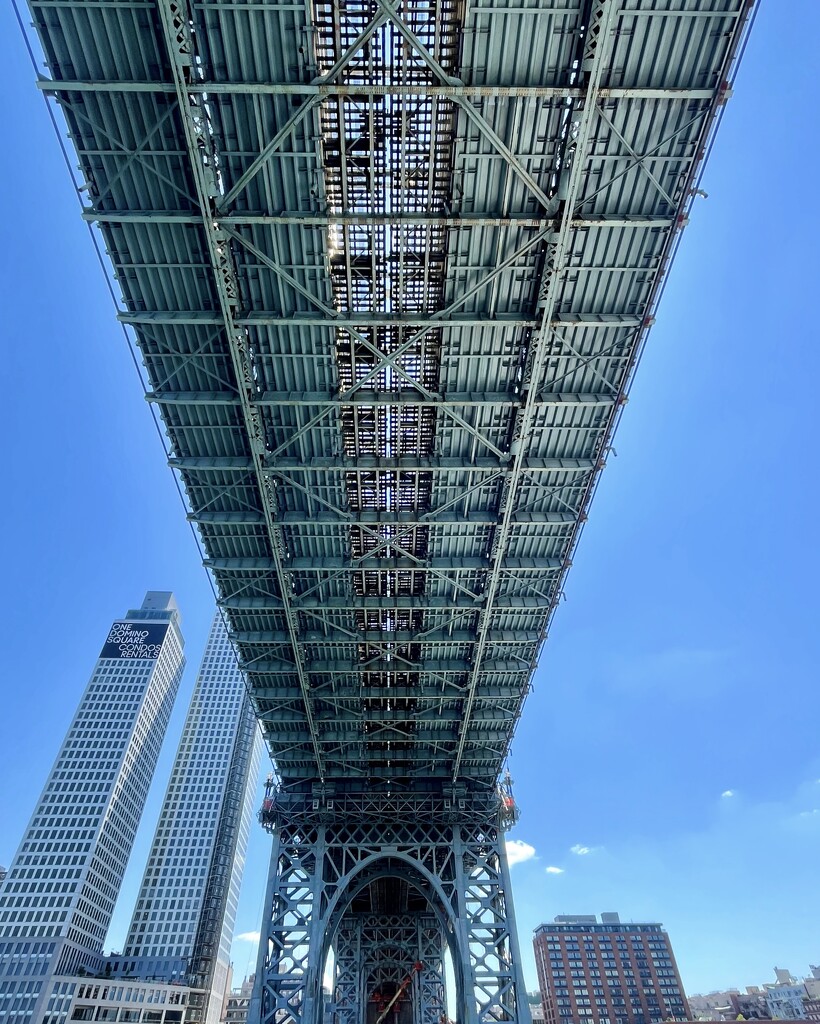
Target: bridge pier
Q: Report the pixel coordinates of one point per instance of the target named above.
(385, 894)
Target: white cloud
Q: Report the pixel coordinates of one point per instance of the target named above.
(581, 851)
(552, 870)
(518, 851)
(727, 793)
(247, 937)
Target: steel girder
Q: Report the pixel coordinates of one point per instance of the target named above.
(307, 220)
(319, 91)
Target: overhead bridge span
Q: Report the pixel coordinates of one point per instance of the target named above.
(390, 265)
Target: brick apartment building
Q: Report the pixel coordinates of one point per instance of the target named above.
(811, 1008)
(607, 972)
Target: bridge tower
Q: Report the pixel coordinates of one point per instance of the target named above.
(387, 883)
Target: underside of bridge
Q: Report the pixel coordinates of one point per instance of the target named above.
(390, 265)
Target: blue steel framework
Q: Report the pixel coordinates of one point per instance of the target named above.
(390, 268)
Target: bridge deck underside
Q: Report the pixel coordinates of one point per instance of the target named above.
(389, 300)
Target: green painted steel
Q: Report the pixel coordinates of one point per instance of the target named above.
(390, 271)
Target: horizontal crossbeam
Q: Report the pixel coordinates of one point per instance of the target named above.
(302, 564)
(342, 321)
(447, 711)
(347, 667)
(310, 220)
(408, 737)
(374, 602)
(321, 521)
(419, 700)
(338, 638)
(274, 399)
(559, 93)
(229, 464)
(434, 464)
(420, 768)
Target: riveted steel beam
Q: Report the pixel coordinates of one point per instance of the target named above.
(402, 601)
(274, 399)
(328, 563)
(348, 667)
(407, 737)
(309, 219)
(447, 713)
(434, 464)
(321, 521)
(339, 639)
(285, 466)
(342, 321)
(559, 93)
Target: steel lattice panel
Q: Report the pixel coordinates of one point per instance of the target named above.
(390, 270)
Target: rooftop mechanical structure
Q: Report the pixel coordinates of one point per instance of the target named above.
(390, 265)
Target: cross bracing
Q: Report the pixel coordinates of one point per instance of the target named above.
(390, 268)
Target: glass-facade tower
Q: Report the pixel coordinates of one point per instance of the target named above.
(57, 899)
(184, 917)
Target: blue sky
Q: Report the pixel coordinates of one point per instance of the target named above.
(672, 735)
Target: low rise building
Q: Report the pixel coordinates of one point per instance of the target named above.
(786, 996)
(238, 1002)
(137, 1002)
(812, 983)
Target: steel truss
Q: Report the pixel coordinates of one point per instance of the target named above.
(375, 952)
(321, 870)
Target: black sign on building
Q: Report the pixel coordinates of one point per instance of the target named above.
(134, 640)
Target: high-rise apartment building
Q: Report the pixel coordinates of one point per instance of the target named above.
(58, 896)
(184, 917)
(176, 958)
(607, 972)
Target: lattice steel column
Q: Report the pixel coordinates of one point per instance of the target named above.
(432, 1001)
(488, 928)
(288, 982)
(347, 987)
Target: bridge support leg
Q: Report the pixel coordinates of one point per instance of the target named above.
(346, 1005)
(495, 987)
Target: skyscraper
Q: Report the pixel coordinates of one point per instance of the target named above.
(607, 972)
(58, 896)
(183, 921)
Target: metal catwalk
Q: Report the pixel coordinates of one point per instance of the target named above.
(390, 268)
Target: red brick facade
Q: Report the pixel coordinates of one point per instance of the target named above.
(612, 973)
